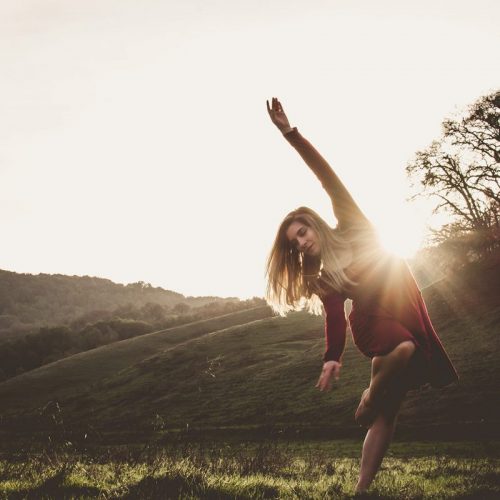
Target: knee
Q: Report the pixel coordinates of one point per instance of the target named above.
(405, 350)
(385, 421)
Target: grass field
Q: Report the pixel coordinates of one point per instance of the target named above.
(269, 469)
(227, 408)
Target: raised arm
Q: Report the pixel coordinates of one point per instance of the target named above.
(345, 208)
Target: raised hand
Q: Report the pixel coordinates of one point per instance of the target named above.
(278, 116)
(330, 369)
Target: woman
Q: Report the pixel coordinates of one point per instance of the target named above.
(313, 264)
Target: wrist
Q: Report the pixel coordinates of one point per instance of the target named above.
(287, 130)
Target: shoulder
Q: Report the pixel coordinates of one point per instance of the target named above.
(359, 232)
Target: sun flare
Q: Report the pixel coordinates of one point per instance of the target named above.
(401, 235)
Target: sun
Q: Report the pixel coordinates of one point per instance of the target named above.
(401, 233)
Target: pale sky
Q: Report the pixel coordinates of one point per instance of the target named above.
(135, 142)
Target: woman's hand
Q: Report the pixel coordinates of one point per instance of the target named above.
(278, 116)
(330, 369)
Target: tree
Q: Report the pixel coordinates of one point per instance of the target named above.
(181, 308)
(152, 311)
(479, 131)
(461, 171)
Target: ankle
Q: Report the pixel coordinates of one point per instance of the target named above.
(360, 491)
(362, 486)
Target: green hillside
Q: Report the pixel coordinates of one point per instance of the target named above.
(81, 371)
(263, 373)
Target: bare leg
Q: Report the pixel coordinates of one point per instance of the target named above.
(384, 370)
(377, 441)
(384, 396)
(375, 446)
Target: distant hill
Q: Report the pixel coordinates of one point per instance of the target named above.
(30, 301)
(261, 374)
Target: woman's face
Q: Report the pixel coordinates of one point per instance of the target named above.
(303, 238)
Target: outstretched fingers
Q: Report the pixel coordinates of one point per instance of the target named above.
(275, 106)
(328, 374)
(324, 382)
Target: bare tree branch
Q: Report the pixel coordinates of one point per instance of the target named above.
(462, 168)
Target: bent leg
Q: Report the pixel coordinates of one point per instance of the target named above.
(385, 369)
(378, 438)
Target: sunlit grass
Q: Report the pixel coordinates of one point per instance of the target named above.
(245, 470)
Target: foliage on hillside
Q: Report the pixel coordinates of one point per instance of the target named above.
(97, 328)
(50, 344)
(29, 301)
(454, 256)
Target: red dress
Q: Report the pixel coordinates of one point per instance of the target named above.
(387, 306)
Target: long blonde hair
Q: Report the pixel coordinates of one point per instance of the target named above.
(294, 278)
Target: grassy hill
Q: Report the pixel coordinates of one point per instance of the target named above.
(262, 374)
(81, 371)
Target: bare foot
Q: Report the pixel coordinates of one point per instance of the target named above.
(367, 411)
(361, 491)
(360, 494)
